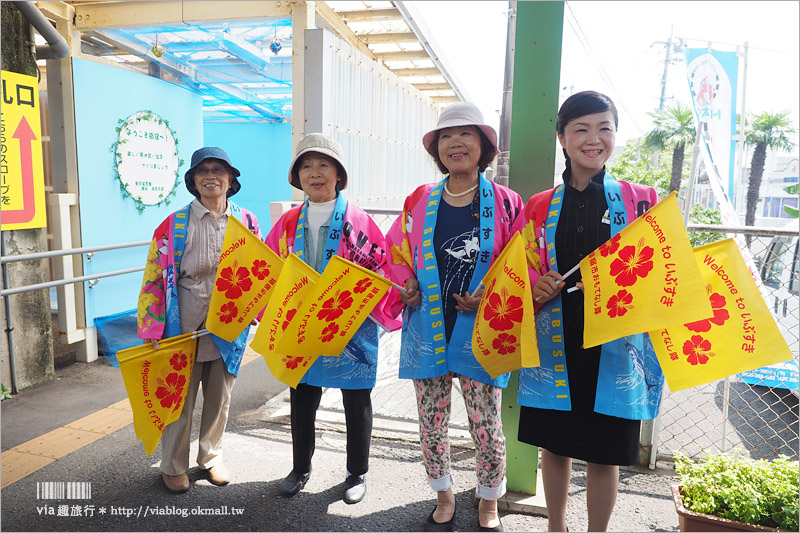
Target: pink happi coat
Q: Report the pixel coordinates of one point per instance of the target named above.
(362, 242)
(405, 239)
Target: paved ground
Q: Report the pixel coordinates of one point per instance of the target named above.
(126, 489)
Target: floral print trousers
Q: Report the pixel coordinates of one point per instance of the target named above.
(483, 404)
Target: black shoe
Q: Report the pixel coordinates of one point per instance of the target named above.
(293, 483)
(355, 487)
(498, 527)
(433, 525)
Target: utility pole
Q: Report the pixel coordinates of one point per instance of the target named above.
(667, 60)
(504, 140)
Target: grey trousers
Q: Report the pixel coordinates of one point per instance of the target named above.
(217, 386)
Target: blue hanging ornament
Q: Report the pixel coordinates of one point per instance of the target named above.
(275, 45)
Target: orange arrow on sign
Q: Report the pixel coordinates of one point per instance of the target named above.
(26, 136)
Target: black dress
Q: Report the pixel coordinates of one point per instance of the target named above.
(580, 433)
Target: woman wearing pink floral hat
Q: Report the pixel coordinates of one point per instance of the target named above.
(442, 245)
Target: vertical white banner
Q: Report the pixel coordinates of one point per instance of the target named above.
(712, 82)
(713, 77)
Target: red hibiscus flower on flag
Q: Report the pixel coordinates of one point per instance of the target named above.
(502, 310)
(227, 312)
(505, 343)
(292, 362)
(234, 280)
(609, 247)
(178, 361)
(719, 318)
(289, 316)
(362, 285)
(334, 307)
(698, 349)
(169, 391)
(619, 303)
(632, 263)
(329, 332)
(260, 269)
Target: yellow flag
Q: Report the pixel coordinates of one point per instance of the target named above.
(296, 281)
(157, 383)
(644, 278)
(342, 299)
(741, 335)
(247, 272)
(504, 336)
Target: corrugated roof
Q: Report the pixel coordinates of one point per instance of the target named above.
(238, 55)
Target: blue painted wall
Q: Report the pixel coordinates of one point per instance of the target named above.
(103, 95)
(262, 153)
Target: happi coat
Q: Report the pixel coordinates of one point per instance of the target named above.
(158, 311)
(424, 350)
(354, 236)
(630, 379)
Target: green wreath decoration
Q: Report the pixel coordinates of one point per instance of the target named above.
(124, 134)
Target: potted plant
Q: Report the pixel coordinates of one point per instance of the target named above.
(736, 493)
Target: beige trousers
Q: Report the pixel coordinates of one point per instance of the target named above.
(217, 386)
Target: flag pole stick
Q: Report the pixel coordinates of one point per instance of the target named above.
(565, 276)
(200, 333)
(398, 286)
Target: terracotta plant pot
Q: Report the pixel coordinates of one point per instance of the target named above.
(692, 521)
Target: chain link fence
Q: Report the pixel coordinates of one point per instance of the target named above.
(730, 413)
(716, 417)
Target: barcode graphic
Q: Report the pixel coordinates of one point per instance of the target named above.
(63, 490)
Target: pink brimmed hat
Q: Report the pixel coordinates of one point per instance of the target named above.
(460, 114)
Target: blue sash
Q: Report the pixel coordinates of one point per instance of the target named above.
(334, 232)
(231, 351)
(433, 356)
(356, 366)
(549, 383)
(179, 229)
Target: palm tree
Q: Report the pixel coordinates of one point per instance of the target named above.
(673, 129)
(766, 131)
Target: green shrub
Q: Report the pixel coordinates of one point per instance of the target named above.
(757, 492)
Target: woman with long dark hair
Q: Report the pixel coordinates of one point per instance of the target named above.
(582, 403)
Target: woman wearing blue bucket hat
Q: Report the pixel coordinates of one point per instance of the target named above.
(182, 263)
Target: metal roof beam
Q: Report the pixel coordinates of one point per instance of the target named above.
(404, 55)
(426, 40)
(370, 14)
(108, 15)
(432, 86)
(327, 18)
(423, 71)
(194, 78)
(242, 50)
(390, 37)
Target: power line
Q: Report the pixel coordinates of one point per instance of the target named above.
(599, 64)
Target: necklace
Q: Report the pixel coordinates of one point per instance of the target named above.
(461, 193)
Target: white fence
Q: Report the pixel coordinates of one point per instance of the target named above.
(378, 118)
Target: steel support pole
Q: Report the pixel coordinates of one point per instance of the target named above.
(532, 150)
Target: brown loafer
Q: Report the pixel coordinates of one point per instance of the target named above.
(219, 474)
(179, 483)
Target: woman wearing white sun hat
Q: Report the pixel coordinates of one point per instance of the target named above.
(330, 225)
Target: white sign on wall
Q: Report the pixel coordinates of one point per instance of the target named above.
(146, 159)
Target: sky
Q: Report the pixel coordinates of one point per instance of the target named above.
(621, 39)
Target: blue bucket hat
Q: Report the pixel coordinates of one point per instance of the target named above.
(212, 152)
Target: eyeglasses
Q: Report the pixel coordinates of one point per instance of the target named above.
(216, 170)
